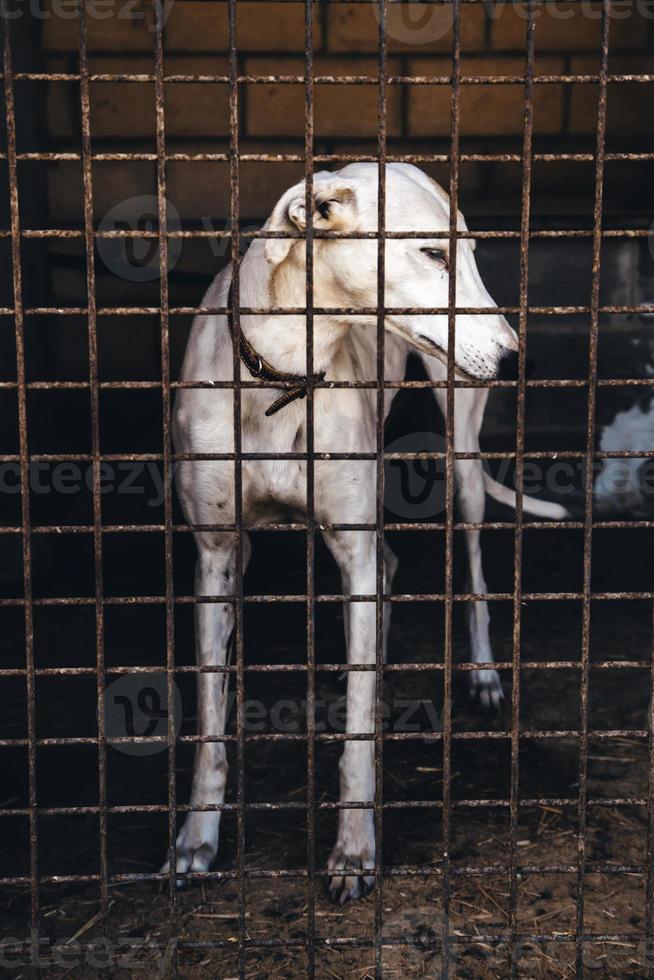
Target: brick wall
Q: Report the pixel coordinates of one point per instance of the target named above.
(271, 41)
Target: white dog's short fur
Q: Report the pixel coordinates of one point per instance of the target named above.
(272, 275)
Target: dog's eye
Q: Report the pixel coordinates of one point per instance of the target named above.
(438, 255)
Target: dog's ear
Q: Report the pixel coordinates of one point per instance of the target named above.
(334, 209)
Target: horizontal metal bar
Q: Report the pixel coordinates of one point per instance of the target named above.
(552, 383)
(423, 666)
(153, 808)
(407, 871)
(422, 527)
(209, 157)
(426, 946)
(340, 737)
(551, 454)
(200, 79)
(149, 600)
(225, 233)
(59, 529)
(82, 311)
(197, 233)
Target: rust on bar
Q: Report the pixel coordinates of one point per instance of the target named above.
(589, 485)
(89, 245)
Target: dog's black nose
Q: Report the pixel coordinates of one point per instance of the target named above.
(508, 367)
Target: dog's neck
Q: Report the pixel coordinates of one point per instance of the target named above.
(282, 338)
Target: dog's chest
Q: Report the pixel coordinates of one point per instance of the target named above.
(273, 491)
(272, 486)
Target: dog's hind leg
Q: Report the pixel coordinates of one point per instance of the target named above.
(197, 842)
(485, 684)
(355, 554)
(390, 568)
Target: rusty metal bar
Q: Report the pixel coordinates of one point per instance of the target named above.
(150, 600)
(649, 803)
(449, 486)
(423, 526)
(197, 233)
(338, 737)
(310, 489)
(235, 219)
(379, 485)
(166, 407)
(424, 666)
(208, 157)
(203, 233)
(160, 808)
(27, 601)
(343, 79)
(645, 382)
(397, 871)
(588, 501)
(89, 247)
(59, 529)
(525, 214)
(328, 311)
(148, 457)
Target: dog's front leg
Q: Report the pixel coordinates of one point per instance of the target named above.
(197, 842)
(355, 554)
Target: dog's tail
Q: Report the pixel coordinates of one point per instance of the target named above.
(540, 508)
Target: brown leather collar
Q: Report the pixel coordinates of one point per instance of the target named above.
(260, 368)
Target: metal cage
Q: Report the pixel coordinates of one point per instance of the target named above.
(446, 938)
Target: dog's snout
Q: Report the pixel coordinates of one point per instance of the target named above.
(508, 367)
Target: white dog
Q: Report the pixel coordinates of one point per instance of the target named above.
(273, 275)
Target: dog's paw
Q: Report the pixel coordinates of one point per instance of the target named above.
(486, 688)
(348, 887)
(196, 846)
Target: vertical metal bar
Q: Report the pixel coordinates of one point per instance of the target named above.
(89, 244)
(238, 479)
(167, 472)
(588, 475)
(649, 882)
(379, 514)
(21, 394)
(525, 214)
(449, 482)
(310, 474)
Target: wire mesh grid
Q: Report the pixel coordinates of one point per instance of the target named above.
(446, 937)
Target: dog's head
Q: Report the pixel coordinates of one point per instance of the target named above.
(417, 270)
